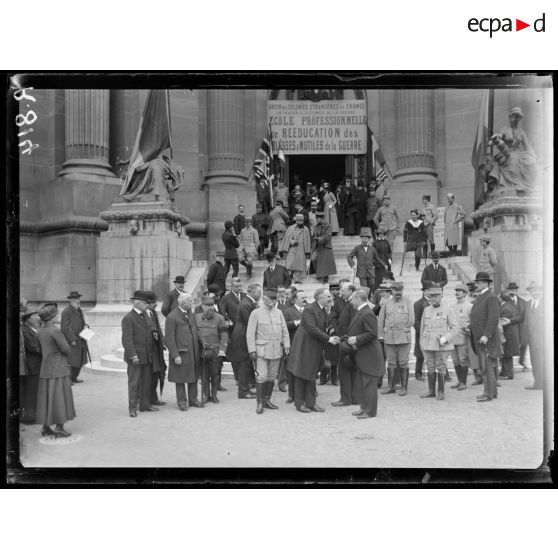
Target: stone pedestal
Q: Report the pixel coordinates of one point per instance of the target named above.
(515, 226)
(145, 247)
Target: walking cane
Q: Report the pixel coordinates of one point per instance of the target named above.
(403, 260)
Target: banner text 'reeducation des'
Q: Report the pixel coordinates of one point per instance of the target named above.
(326, 127)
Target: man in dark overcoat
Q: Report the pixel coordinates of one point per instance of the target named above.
(485, 338)
(216, 273)
(228, 307)
(362, 340)
(138, 354)
(275, 274)
(238, 348)
(181, 339)
(418, 308)
(521, 305)
(159, 364)
(171, 298)
(307, 351)
(434, 272)
(231, 243)
(29, 380)
(322, 251)
(535, 329)
(72, 323)
(366, 259)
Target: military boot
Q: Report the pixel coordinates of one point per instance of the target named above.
(267, 396)
(391, 382)
(441, 378)
(447, 376)
(404, 381)
(260, 397)
(458, 373)
(418, 374)
(431, 386)
(464, 371)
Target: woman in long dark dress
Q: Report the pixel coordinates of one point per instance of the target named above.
(55, 402)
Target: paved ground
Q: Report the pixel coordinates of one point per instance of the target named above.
(408, 431)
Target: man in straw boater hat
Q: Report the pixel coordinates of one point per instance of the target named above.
(437, 332)
(461, 309)
(521, 305)
(396, 318)
(72, 323)
(535, 332)
(138, 354)
(296, 247)
(268, 342)
(171, 298)
(483, 324)
(366, 259)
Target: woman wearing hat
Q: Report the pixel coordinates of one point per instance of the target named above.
(330, 211)
(414, 236)
(29, 378)
(516, 160)
(55, 402)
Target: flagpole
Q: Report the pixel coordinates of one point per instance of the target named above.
(169, 120)
(490, 116)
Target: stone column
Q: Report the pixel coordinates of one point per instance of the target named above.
(228, 184)
(87, 132)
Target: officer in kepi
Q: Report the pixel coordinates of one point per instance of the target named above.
(213, 338)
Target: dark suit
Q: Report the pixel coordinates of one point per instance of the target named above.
(170, 302)
(228, 307)
(159, 365)
(231, 243)
(29, 382)
(366, 260)
(522, 305)
(535, 332)
(279, 276)
(216, 276)
(438, 276)
(291, 313)
(483, 321)
(137, 341)
(72, 323)
(350, 381)
(306, 353)
(368, 356)
(238, 349)
(418, 308)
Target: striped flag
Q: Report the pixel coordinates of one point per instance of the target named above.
(381, 175)
(264, 156)
(376, 160)
(153, 136)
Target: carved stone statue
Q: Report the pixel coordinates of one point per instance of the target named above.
(514, 165)
(157, 179)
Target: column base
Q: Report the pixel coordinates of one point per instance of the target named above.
(87, 166)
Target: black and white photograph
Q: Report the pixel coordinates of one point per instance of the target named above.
(281, 271)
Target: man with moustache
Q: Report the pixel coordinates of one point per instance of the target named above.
(296, 244)
(307, 351)
(366, 259)
(418, 309)
(157, 338)
(521, 305)
(171, 298)
(461, 309)
(362, 340)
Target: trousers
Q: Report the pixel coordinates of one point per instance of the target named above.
(181, 393)
(234, 263)
(369, 394)
(139, 386)
(350, 380)
(304, 391)
(244, 372)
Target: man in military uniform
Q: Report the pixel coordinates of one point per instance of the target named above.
(418, 308)
(461, 309)
(213, 337)
(268, 341)
(394, 327)
(387, 220)
(249, 244)
(437, 331)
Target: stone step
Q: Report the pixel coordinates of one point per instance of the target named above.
(113, 361)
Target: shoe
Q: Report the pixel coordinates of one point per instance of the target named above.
(334, 383)
(431, 386)
(323, 383)
(61, 433)
(477, 382)
(182, 407)
(221, 388)
(248, 395)
(47, 431)
(77, 381)
(149, 409)
(195, 403)
(289, 400)
(282, 388)
(505, 378)
(159, 403)
(484, 398)
(133, 414)
(419, 377)
(498, 384)
(357, 413)
(365, 416)
(317, 409)
(340, 403)
(303, 409)
(461, 387)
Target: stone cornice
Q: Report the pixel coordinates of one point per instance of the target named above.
(144, 215)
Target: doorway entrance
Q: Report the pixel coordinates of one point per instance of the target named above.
(312, 168)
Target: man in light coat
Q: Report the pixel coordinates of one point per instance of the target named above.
(437, 332)
(296, 245)
(268, 341)
(535, 331)
(453, 215)
(249, 244)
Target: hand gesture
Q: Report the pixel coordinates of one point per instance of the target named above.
(352, 340)
(483, 340)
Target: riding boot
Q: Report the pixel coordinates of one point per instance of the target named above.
(463, 385)
(260, 387)
(458, 373)
(267, 396)
(431, 386)
(417, 262)
(441, 378)
(404, 381)
(214, 383)
(334, 374)
(391, 382)
(418, 374)
(397, 377)
(447, 376)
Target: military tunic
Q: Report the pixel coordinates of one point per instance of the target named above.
(461, 310)
(394, 326)
(437, 322)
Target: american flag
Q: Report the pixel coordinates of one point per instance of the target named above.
(264, 156)
(381, 175)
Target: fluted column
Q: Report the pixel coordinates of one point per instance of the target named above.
(87, 132)
(414, 114)
(225, 136)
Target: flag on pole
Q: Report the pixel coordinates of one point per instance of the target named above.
(262, 162)
(153, 135)
(478, 157)
(281, 156)
(376, 160)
